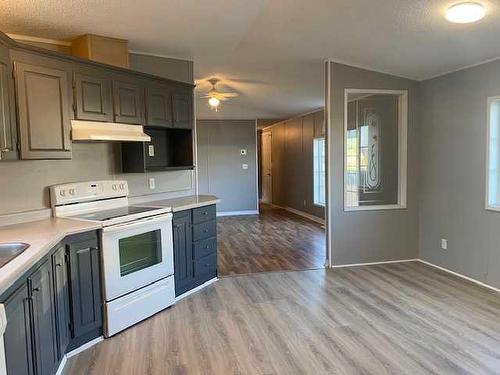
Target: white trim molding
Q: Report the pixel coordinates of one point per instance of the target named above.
(305, 214)
(197, 289)
(237, 213)
(480, 283)
(491, 206)
(402, 148)
(375, 263)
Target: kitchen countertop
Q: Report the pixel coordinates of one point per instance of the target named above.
(42, 236)
(183, 203)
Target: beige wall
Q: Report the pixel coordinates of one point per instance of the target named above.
(292, 162)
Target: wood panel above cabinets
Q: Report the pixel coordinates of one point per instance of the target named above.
(43, 109)
(93, 99)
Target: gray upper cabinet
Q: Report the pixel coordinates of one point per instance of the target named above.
(42, 96)
(159, 105)
(92, 96)
(17, 337)
(8, 142)
(128, 99)
(183, 109)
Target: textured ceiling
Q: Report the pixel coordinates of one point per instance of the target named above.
(271, 51)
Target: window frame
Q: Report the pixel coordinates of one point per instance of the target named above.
(496, 208)
(402, 149)
(323, 205)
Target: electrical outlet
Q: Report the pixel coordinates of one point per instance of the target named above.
(151, 150)
(444, 244)
(244, 166)
(152, 183)
(243, 151)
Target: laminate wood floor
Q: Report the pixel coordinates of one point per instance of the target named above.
(275, 240)
(405, 318)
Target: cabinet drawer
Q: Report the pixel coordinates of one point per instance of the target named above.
(202, 214)
(204, 248)
(204, 230)
(205, 268)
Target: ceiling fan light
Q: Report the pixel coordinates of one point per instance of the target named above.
(466, 12)
(214, 102)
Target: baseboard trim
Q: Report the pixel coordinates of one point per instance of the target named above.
(238, 213)
(461, 276)
(76, 351)
(197, 289)
(301, 213)
(375, 263)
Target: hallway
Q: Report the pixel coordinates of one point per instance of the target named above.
(275, 240)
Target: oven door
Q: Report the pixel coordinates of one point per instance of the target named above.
(136, 254)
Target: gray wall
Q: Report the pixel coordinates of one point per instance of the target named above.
(220, 164)
(452, 174)
(23, 184)
(292, 162)
(371, 236)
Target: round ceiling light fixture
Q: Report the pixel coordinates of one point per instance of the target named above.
(214, 102)
(465, 12)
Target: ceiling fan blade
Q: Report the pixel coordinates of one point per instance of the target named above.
(229, 94)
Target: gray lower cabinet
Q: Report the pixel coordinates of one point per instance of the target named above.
(54, 308)
(86, 300)
(17, 337)
(43, 111)
(43, 313)
(195, 247)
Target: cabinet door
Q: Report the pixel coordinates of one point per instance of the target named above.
(17, 336)
(59, 269)
(92, 97)
(183, 110)
(44, 322)
(129, 102)
(183, 252)
(8, 146)
(86, 302)
(159, 106)
(43, 111)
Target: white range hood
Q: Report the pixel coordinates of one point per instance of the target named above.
(107, 131)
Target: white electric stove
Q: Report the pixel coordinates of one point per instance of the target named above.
(136, 249)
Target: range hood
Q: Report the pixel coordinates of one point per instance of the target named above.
(107, 131)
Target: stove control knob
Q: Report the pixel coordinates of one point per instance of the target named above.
(114, 187)
(62, 193)
(122, 186)
(71, 191)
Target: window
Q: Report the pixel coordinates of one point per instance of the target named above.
(319, 171)
(493, 171)
(375, 149)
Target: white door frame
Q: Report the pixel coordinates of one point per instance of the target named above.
(267, 134)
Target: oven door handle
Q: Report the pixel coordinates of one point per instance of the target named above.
(138, 223)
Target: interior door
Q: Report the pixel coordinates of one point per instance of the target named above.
(266, 172)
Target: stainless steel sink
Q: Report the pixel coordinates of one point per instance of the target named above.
(10, 250)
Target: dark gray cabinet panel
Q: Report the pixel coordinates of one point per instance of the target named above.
(61, 296)
(86, 301)
(205, 268)
(8, 138)
(204, 230)
(17, 337)
(43, 111)
(43, 319)
(159, 106)
(204, 248)
(128, 100)
(183, 257)
(202, 214)
(92, 96)
(183, 109)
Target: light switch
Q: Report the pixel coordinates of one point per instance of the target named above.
(152, 183)
(444, 244)
(243, 151)
(244, 166)
(151, 150)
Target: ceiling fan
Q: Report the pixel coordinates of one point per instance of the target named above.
(215, 97)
